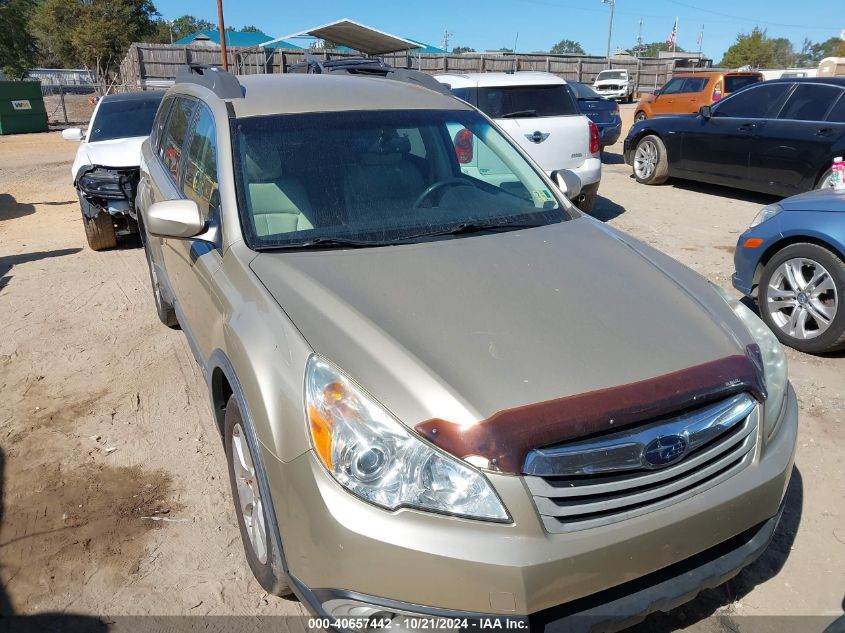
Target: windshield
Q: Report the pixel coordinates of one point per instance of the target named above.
(382, 177)
(582, 91)
(611, 74)
(124, 119)
(526, 101)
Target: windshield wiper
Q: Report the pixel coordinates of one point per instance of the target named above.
(478, 227)
(341, 242)
(519, 113)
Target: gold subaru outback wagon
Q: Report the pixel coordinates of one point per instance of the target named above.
(445, 393)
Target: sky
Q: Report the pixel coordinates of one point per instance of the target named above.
(536, 25)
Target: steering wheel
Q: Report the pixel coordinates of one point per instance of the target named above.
(446, 182)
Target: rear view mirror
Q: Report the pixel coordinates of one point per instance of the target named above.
(567, 181)
(174, 218)
(706, 111)
(657, 92)
(73, 134)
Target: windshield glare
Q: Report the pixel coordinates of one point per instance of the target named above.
(123, 119)
(376, 177)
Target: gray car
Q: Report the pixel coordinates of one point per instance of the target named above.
(442, 396)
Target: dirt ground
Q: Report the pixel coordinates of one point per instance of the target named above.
(115, 491)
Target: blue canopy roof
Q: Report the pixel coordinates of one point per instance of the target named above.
(234, 38)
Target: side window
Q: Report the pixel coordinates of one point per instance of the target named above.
(809, 102)
(159, 123)
(758, 102)
(695, 84)
(173, 136)
(837, 113)
(673, 86)
(465, 94)
(200, 184)
(738, 82)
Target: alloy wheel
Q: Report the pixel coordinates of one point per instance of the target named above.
(249, 495)
(801, 298)
(645, 159)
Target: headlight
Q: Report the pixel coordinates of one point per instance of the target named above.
(373, 456)
(766, 213)
(103, 184)
(774, 360)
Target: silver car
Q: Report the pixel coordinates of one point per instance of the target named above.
(445, 399)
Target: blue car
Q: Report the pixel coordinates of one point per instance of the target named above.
(600, 110)
(792, 259)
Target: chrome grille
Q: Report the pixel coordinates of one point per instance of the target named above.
(608, 87)
(597, 481)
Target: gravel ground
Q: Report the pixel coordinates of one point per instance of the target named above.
(106, 423)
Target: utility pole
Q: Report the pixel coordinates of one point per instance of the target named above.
(609, 27)
(446, 37)
(639, 48)
(222, 27)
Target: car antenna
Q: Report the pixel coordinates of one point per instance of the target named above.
(515, 58)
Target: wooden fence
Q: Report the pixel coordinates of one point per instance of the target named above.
(148, 65)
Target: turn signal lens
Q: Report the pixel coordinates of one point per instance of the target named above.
(752, 242)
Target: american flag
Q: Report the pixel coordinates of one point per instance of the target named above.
(671, 41)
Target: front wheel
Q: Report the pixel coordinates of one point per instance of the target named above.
(99, 226)
(165, 310)
(651, 165)
(640, 116)
(799, 297)
(251, 505)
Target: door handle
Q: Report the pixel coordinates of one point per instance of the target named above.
(747, 127)
(825, 131)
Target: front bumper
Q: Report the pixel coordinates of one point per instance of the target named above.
(421, 563)
(746, 260)
(613, 94)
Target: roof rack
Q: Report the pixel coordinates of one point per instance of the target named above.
(368, 67)
(224, 84)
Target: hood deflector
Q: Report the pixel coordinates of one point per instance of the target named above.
(508, 436)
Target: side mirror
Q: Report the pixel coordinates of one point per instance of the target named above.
(657, 92)
(706, 112)
(174, 218)
(73, 134)
(567, 181)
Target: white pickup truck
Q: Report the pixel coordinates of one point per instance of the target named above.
(615, 84)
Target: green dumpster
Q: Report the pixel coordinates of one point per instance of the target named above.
(22, 107)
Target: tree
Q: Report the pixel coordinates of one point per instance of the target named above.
(751, 49)
(18, 50)
(249, 28)
(834, 47)
(783, 53)
(462, 49)
(570, 47)
(652, 49)
(187, 24)
(92, 33)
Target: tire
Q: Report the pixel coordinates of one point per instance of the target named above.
(820, 325)
(653, 166)
(247, 492)
(825, 181)
(165, 310)
(640, 116)
(99, 230)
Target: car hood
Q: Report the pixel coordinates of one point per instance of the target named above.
(819, 200)
(461, 329)
(119, 152)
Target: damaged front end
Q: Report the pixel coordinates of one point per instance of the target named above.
(109, 190)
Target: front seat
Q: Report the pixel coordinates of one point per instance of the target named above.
(383, 179)
(279, 204)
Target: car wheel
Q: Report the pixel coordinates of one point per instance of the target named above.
(251, 508)
(640, 116)
(826, 181)
(651, 166)
(166, 311)
(99, 227)
(800, 297)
